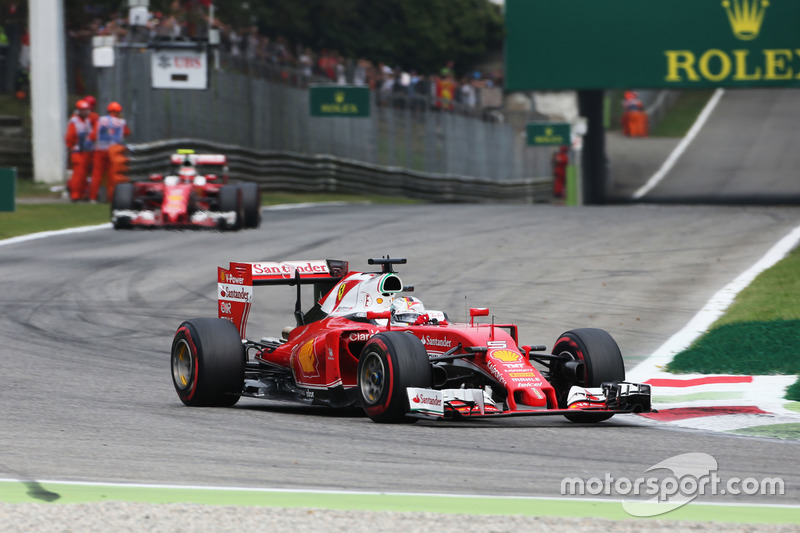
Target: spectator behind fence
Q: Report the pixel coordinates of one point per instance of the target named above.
(395, 86)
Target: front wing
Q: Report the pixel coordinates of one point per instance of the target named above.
(147, 218)
(617, 397)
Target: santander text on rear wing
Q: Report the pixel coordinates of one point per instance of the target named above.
(235, 283)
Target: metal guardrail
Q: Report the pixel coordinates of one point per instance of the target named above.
(661, 104)
(291, 171)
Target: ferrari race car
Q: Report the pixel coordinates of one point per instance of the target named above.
(364, 344)
(187, 197)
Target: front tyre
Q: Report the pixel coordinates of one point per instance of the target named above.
(122, 201)
(602, 361)
(230, 200)
(207, 362)
(251, 204)
(390, 362)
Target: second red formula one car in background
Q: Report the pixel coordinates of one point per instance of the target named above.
(194, 194)
(363, 343)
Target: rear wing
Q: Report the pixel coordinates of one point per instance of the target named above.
(199, 159)
(235, 283)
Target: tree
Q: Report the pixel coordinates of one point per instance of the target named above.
(419, 34)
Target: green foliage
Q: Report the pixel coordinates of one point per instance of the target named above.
(420, 34)
(793, 392)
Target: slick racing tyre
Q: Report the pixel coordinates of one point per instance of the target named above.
(602, 361)
(208, 361)
(390, 362)
(230, 199)
(251, 204)
(122, 201)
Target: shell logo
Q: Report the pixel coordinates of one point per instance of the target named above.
(507, 356)
(307, 359)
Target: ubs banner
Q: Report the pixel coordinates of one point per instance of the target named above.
(179, 69)
(594, 44)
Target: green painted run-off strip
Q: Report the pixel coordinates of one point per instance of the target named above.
(711, 395)
(59, 492)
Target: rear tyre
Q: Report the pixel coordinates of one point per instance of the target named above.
(230, 199)
(602, 361)
(122, 201)
(390, 362)
(207, 362)
(251, 204)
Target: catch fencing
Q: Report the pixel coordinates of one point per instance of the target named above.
(267, 110)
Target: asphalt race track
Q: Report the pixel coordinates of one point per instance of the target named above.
(747, 152)
(88, 320)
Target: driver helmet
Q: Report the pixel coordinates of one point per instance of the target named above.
(187, 173)
(406, 309)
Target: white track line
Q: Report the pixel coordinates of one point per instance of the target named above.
(712, 310)
(682, 146)
(284, 207)
(82, 229)
(43, 234)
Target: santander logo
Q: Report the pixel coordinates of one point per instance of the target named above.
(419, 398)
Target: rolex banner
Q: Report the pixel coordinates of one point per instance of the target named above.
(605, 44)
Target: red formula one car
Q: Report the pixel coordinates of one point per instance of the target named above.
(192, 195)
(363, 343)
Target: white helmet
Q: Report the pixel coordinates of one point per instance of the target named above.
(406, 309)
(187, 173)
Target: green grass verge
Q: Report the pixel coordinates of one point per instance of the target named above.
(746, 348)
(683, 114)
(60, 493)
(778, 431)
(760, 332)
(32, 218)
(276, 198)
(771, 296)
(49, 215)
(28, 189)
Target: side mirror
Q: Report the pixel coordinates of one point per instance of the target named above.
(477, 311)
(374, 315)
